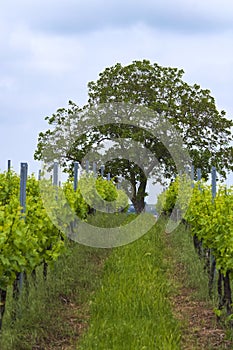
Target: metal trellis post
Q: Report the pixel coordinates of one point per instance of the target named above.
(213, 182)
(102, 170)
(94, 169)
(192, 175)
(199, 177)
(55, 173)
(87, 166)
(23, 184)
(9, 165)
(75, 175)
(39, 175)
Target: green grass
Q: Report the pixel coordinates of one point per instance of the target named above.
(183, 251)
(131, 310)
(56, 310)
(191, 276)
(107, 299)
(45, 316)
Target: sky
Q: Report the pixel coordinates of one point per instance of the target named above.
(51, 49)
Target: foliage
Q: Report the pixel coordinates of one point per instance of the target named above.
(206, 132)
(26, 240)
(210, 219)
(35, 235)
(55, 310)
(101, 194)
(177, 195)
(75, 199)
(189, 108)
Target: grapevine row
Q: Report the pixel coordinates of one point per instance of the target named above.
(29, 239)
(211, 223)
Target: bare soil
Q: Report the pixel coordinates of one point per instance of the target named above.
(199, 326)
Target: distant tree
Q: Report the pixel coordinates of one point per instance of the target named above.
(206, 132)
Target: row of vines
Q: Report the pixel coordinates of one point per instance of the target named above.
(28, 238)
(211, 223)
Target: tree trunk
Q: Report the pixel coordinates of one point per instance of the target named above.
(16, 286)
(197, 245)
(139, 205)
(224, 293)
(3, 294)
(33, 274)
(16, 294)
(138, 199)
(227, 293)
(211, 274)
(45, 270)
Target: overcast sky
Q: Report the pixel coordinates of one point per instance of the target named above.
(51, 49)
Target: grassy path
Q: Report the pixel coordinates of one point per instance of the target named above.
(132, 309)
(150, 294)
(190, 301)
(154, 295)
(57, 310)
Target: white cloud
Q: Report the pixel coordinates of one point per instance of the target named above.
(50, 50)
(7, 83)
(75, 16)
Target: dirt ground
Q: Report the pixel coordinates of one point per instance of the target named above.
(199, 326)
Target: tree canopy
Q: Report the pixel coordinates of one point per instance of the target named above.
(192, 111)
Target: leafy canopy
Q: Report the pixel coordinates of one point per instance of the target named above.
(206, 132)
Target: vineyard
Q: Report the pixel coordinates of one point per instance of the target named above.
(28, 237)
(210, 220)
(130, 304)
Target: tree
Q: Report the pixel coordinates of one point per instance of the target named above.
(206, 132)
